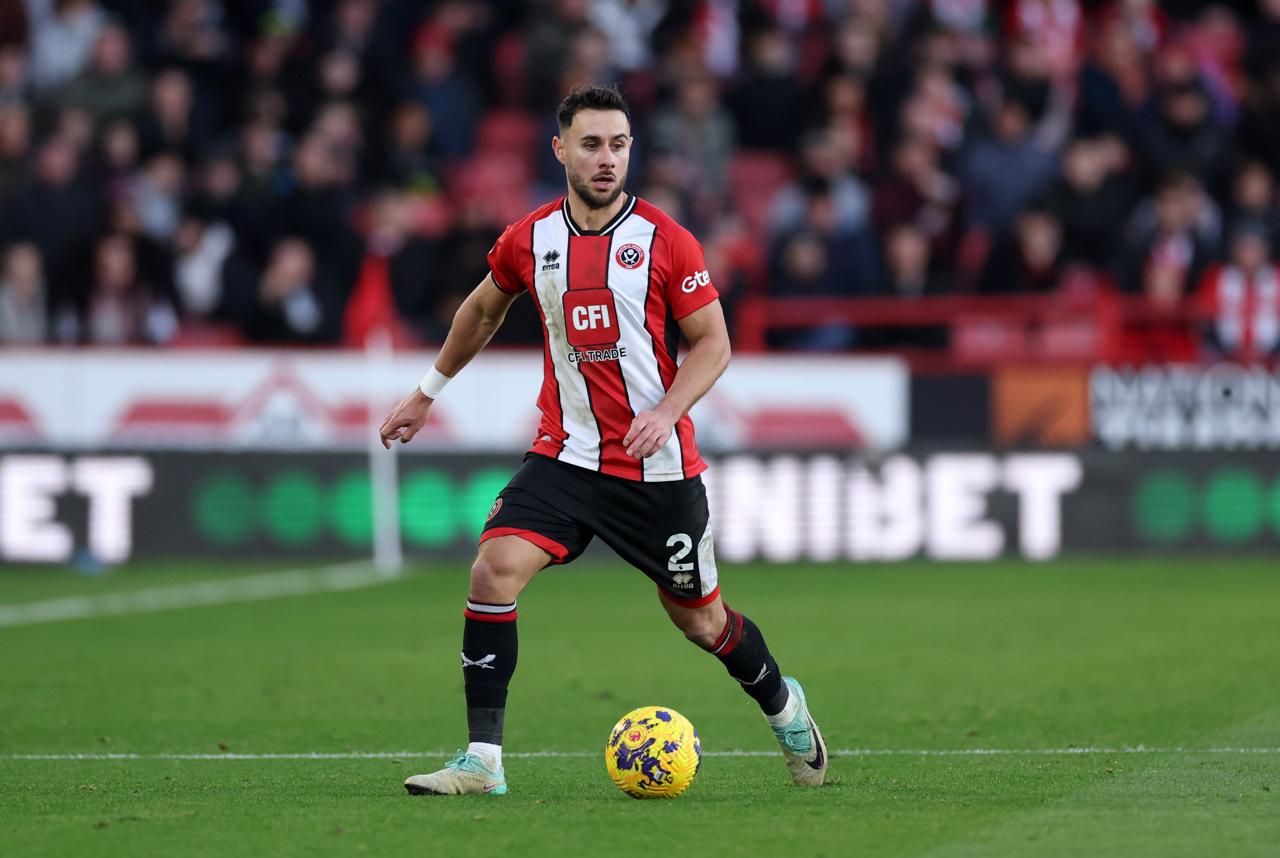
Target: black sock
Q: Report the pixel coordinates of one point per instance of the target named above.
(742, 650)
(488, 661)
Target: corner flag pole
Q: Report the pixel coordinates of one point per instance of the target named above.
(384, 482)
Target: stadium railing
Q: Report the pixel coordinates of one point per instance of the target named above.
(986, 329)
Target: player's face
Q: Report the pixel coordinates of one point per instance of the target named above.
(595, 150)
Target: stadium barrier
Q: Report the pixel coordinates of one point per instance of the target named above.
(108, 507)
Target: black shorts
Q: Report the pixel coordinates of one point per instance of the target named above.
(660, 528)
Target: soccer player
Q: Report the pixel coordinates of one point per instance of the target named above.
(616, 282)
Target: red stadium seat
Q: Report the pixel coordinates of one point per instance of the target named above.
(508, 132)
(984, 339)
(754, 179)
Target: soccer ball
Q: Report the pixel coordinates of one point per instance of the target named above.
(653, 752)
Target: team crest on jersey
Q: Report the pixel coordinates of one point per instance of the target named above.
(493, 510)
(630, 256)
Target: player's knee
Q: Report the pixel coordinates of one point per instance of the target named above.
(495, 577)
(700, 627)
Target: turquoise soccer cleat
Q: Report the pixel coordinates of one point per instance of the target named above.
(802, 744)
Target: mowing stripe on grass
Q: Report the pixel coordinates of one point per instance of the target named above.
(841, 752)
(249, 588)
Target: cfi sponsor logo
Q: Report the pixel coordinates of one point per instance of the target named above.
(493, 510)
(630, 256)
(693, 281)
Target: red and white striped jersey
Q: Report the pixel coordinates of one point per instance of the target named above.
(609, 300)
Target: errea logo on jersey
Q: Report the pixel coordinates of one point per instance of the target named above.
(693, 281)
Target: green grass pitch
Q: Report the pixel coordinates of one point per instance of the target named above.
(1180, 657)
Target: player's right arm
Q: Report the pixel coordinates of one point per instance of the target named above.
(474, 324)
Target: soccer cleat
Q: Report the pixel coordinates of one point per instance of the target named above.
(802, 743)
(465, 773)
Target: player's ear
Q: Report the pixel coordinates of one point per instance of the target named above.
(557, 148)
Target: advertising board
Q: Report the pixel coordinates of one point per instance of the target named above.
(109, 507)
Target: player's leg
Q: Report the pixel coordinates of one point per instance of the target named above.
(489, 643)
(737, 642)
(663, 529)
(501, 570)
(527, 530)
(740, 646)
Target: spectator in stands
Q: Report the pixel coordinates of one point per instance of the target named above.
(1179, 131)
(75, 126)
(117, 158)
(407, 156)
(316, 209)
(109, 86)
(211, 278)
(909, 275)
(445, 91)
(855, 47)
(917, 191)
(547, 42)
(1171, 240)
(629, 26)
(123, 309)
(209, 125)
(588, 60)
(1241, 299)
(819, 258)
(337, 125)
(843, 110)
(156, 197)
(289, 305)
(216, 184)
(1114, 84)
(396, 285)
(938, 109)
(23, 319)
(166, 123)
(1260, 124)
(60, 212)
(191, 36)
(1093, 199)
(1253, 200)
(1005, 169)
(699, 131)
(1262, 44)
(15, 141)
(1030, 260)
(15, 87)
(62, 40)
(824, 162)
(769, 103)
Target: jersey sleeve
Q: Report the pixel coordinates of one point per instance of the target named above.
(689, 287)
(502, 263)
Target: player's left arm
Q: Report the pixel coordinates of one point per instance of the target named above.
(708, 356)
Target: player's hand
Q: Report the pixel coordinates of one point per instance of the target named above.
(406, 419)
(649, 432)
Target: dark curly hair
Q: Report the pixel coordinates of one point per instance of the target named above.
(590, 97)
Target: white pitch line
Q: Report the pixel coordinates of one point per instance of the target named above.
(842, 752)
(249, 588)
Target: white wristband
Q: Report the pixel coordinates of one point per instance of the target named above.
(433, 382)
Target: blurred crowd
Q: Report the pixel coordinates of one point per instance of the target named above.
(302, 171)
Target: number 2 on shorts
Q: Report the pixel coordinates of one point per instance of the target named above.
(686, 545)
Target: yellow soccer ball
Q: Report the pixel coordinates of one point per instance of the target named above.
(653, 752)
